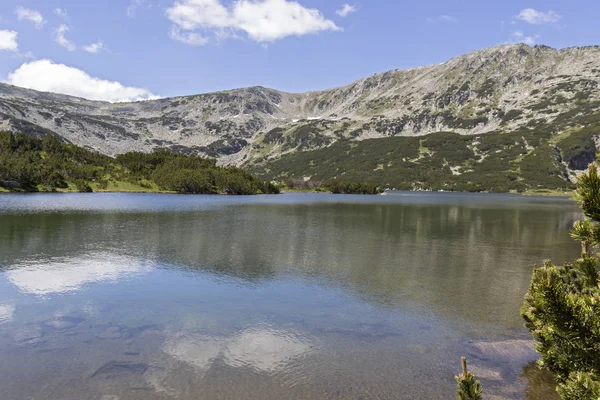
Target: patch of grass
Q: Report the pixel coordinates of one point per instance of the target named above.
(128, 187)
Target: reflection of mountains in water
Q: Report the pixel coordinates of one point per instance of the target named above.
(446, 258)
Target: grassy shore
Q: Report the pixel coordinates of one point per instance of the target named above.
(554, 193)
(542, 192)
(115, 186)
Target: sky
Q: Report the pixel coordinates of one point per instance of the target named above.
(125, 50)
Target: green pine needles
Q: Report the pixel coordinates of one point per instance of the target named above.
(562, 306)
(468, 387)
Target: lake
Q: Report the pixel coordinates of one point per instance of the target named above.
(295, 296)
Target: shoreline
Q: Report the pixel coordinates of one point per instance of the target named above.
(548, 193)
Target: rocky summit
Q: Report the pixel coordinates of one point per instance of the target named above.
(510, 117)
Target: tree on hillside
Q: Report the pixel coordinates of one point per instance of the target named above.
(562, 306)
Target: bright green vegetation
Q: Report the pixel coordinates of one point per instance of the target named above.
(562, 306)
(532, 159)
(32, 164)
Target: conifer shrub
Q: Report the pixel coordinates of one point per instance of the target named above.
(468, 387)
(562, 305)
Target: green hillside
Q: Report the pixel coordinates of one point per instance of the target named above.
(30, 164)
(538, 157)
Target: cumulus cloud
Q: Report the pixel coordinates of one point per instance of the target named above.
(520, 37)
(60, 38)
(346, 10)
(535, 17)
(61, 13)
(94, 47)
(191, 38)
(263, 20)
(33, 16)
(8, 40)
(45, 75)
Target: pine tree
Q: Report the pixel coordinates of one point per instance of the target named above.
(562, 306)
(468, 387)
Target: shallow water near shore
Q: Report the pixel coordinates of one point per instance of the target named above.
(296, 296)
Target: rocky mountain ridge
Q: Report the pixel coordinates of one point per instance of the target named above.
(496, 90)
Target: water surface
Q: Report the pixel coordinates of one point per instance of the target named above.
(296, 296)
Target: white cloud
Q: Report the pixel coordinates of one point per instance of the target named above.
(262, 20)
(59, 37)
(194, 14)
(520, 37)
(27, 55)
(44, 75)
(94, 47)
(31, 16)
(447, 18)
(271, 20)
(8, 40)
(191, 38)
(532, 16)
(442, 18)
(133, 6)
(61, 13)
(345, 10)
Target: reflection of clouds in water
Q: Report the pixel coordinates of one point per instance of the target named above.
(6, 312)
(263, 349)
(196, 350)
(62, 275)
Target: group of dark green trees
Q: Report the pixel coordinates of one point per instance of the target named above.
(192, 174)
(352, 188)
(33, 164)
(333, 186)
(48, 164)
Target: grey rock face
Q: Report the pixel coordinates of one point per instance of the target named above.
(492, 90)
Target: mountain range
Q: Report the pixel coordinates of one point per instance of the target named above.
(506, 118)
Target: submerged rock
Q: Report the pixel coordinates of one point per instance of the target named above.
(63, 323)
(114, 369)
(505, 350)
(124, 332)
(28, 336)
(114, 332)
(486, 373)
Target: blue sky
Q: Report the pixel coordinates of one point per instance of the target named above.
(144, 48)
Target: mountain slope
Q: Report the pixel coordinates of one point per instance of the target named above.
(533, 97)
